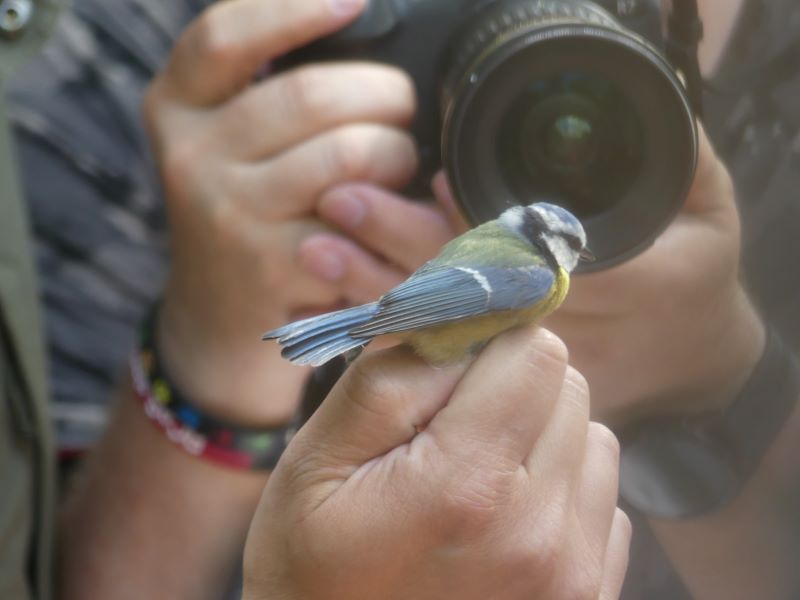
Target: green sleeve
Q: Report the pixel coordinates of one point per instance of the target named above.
(27, 475)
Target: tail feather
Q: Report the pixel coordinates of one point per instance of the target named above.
(317, 340)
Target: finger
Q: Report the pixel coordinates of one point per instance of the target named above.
(445, 199)
(294, 181)
(617, 553)
(559, 451)
(405, 232)
(506, 398)
(223, 49)
(596, 496)
(290, 107)
(360, 276)
(378, 404)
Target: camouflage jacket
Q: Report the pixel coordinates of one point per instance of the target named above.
(93, 196)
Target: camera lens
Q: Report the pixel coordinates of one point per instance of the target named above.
(573, 137)
(556, 101)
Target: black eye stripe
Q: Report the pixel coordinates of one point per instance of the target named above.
(532, 224)
(574, 242)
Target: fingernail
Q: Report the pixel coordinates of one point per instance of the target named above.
(346, 8)
(343, 210)
(325, 265)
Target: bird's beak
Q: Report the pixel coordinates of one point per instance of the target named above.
(587, 256)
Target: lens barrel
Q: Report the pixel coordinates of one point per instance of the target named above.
(557, 101)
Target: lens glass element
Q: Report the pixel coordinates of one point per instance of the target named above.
(572, 136)
(569, 144)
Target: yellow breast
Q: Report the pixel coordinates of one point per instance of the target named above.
(452, 342)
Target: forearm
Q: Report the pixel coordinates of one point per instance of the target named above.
(750, 548)
(146, 520)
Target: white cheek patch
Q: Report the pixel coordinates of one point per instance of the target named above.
(484, 283)
(564, 255)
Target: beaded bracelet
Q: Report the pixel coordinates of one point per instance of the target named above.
(197, 433)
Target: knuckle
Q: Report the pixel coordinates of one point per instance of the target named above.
(405, 149)
(465, 514)
(474, 499)
(575, 391)
(602, 437)
(577, 382)
(369, 386)
(542, 554)
(395, 88)
(349, 156)
(213, 38)
(584, 583)
(549, 348)
(307, 92)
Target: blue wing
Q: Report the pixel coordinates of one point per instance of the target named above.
(436, 295)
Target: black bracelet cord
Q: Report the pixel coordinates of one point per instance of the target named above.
(212, 438)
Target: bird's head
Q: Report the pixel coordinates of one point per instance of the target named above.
(551, 229)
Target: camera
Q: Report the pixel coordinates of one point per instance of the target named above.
(568, 101)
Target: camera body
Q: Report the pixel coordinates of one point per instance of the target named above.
(568, 101)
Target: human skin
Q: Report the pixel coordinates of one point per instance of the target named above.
(475, 481)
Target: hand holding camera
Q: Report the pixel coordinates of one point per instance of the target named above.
(244, 161)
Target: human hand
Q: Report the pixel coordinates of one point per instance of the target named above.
(672, 330)
(243, 164)
(378, 239)
(485, 481)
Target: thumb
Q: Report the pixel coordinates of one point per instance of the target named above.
(381, 402)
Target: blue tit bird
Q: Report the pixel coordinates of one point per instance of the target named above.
(504, 273)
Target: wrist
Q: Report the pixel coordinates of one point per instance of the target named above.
(188, 426)
(698, 369)
(231, 375)
(727, 361)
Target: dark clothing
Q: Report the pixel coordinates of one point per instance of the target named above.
(94, 198)
(752, 109)
(753, 118)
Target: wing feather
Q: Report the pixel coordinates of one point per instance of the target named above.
(433, 296)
